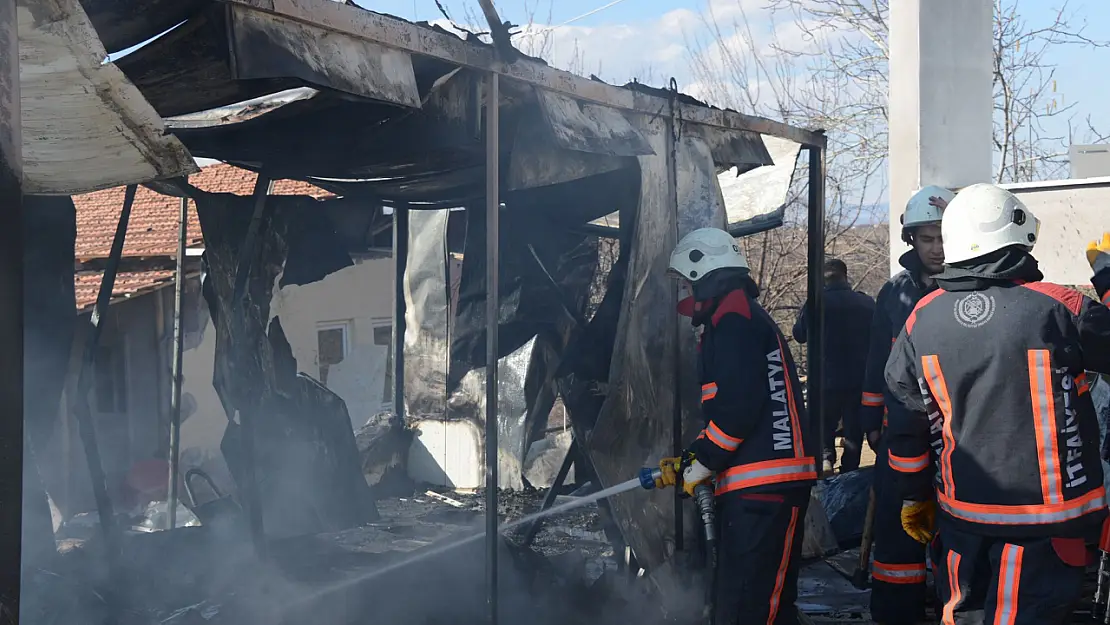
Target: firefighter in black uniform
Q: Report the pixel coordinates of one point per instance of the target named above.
(1001, 433)
(755, 444)
(898, 593)
(848, 316)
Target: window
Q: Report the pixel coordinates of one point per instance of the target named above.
(383, 335)
(331, 347)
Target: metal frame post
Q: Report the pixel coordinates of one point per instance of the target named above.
(816, 297)
(493, 208)
(676, 408)
(11, 314)
(82, 412)
(400, 265)
(263, 188)
(178, 348)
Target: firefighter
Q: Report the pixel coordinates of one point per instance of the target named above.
(898, 594)
(848, 316)
(755, 442)
(991, 367)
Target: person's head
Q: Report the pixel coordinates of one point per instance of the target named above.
(983, 219)
(836, 271)
(921, 225)
(706, 257)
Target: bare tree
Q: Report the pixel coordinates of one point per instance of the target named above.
(831, 74)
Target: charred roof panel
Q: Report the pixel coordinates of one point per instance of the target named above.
(590, 127)
(85, 127)
(125, 23)
(188, 70)
(268, 46)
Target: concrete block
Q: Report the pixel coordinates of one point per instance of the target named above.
(941, 99)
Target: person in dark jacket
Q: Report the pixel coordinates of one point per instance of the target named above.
(1000, 432)
(755, 444)
(847, 329)
(898, 592)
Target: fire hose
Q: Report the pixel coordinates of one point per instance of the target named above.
(703, 496)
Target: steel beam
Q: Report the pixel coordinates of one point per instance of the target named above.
(11, 315)
(82, 412)
(493, 210)
(247, 412)
(400, 264)
(178, 348)
(816, 298)
(673, 127)
(391, 32)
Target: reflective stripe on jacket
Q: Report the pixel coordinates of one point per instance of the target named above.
(995, 379)
(756, 424)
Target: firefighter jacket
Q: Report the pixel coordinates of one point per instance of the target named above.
(847, 328)
(893, 306)
(1003, 426)
(756, 425)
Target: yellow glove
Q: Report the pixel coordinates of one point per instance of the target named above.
(694, 474)
(1098, 253)
(669, 467)
(919, 520)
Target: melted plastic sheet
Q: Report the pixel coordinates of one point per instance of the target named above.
(426, 315)
(756, 199)
(544, 283)
(307, 467)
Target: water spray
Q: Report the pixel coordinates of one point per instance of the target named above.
(703, 496)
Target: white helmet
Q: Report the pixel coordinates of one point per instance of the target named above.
(704, 251)
(985, 218)
(920, 212)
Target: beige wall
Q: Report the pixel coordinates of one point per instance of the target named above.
(360, 299)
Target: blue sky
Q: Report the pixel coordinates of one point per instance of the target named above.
(634, 35)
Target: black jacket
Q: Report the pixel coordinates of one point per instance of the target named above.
(756, 425)
(847, 328)
(1000, 416)
(895, 303)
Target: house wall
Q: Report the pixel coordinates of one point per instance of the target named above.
(129, 428)
(358, 299)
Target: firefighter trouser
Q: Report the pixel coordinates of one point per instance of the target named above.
(898, 592)
(758, 557)
(842, 407)
(999, 581)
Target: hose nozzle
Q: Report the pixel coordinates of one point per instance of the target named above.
(648, 476)
(703, 494)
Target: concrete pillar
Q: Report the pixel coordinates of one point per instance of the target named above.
(941, 102)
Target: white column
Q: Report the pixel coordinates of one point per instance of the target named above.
(941, 103)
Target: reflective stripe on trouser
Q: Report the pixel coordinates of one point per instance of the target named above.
(757, 565)
(899, 598)
(1000, 581)
(767, 472)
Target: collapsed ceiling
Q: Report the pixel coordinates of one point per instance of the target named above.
(369, 118)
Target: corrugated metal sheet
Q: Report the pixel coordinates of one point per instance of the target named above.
(85, 127)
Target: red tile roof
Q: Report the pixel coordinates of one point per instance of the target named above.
(128, 284)
(153, 227)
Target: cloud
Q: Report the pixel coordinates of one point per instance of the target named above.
(654, 49)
